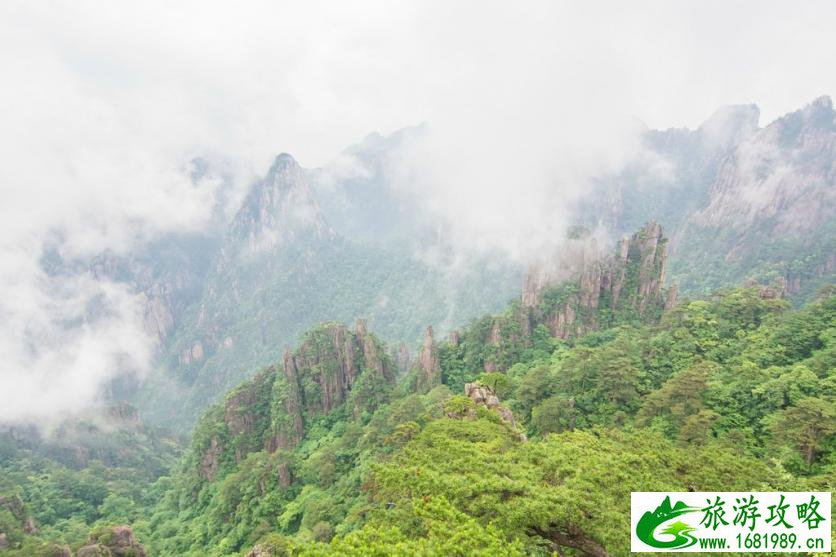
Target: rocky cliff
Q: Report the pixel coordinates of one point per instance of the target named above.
(280, 268)
(771, 209)
(333, 369)
(483, 395)
(630, 281)
(322, 373)
(427, 369)
(278, 209)
(579, 292)
(739, 201)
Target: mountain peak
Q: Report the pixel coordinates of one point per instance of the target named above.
(730, 124)
(824, 102)
(283, 161)
(279, 207)
(819, 113)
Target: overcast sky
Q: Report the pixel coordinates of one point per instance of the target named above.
(103, 103)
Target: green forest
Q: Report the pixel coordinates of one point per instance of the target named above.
(731, 392)
(435, 279)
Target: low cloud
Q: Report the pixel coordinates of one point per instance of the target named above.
(104, 105)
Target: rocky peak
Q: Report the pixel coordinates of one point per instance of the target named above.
(278, 208)
(819, 112)
(404, 358)
(648, 248)
(321, 373)
(574, 257)
(271, 410)
(483, 395)
(781, 176)
(582, 263)
(728, 126)
(427, 367)
(598, 292)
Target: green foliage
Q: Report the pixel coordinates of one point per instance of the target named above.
(459, 406)
(734, 392)
(564, 491)
(501, 383)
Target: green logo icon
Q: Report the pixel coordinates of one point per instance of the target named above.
(681, 532)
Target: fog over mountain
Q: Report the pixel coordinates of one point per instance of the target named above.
(415, 277)
(136, 139)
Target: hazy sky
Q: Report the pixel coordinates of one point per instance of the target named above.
(103, 104)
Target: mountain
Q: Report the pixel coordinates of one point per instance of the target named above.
(516, 428)
(741, 201)
(771, 210)
(279, 267)
(599, 379)
(344, 242)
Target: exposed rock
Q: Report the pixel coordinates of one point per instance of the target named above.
(427, 368)
(94, 550)
(61, 551)
(597, 293)
(783, 172)
(244, 409)
(115, 541)
(277, 209)
(319, 376)
(274, 546)
(632, 278)
(193, 354)
(772, 292)
(483, 395)
(211, 458)
(771, 194)
(403, 358)
(261, 550)
(576, 255)
(285, 475)
(158, 319)
(372, 353)
(15, 505)
(164, 274)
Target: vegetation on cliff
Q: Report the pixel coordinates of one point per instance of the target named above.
(513, 436)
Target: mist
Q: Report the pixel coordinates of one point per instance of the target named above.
(105, 105)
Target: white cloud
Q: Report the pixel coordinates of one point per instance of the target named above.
(104, 103)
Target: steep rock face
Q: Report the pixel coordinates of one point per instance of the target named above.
(784, 172)
(322, 372)
(268, 253)
(403, 358)
(278, 267)
(277, 209)
(630, 280)
(739, 201)
(672, 177)
(333, 367)
(576, 256)
(427, 369)
(771, 211)
(625, 287)
(166, 276)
